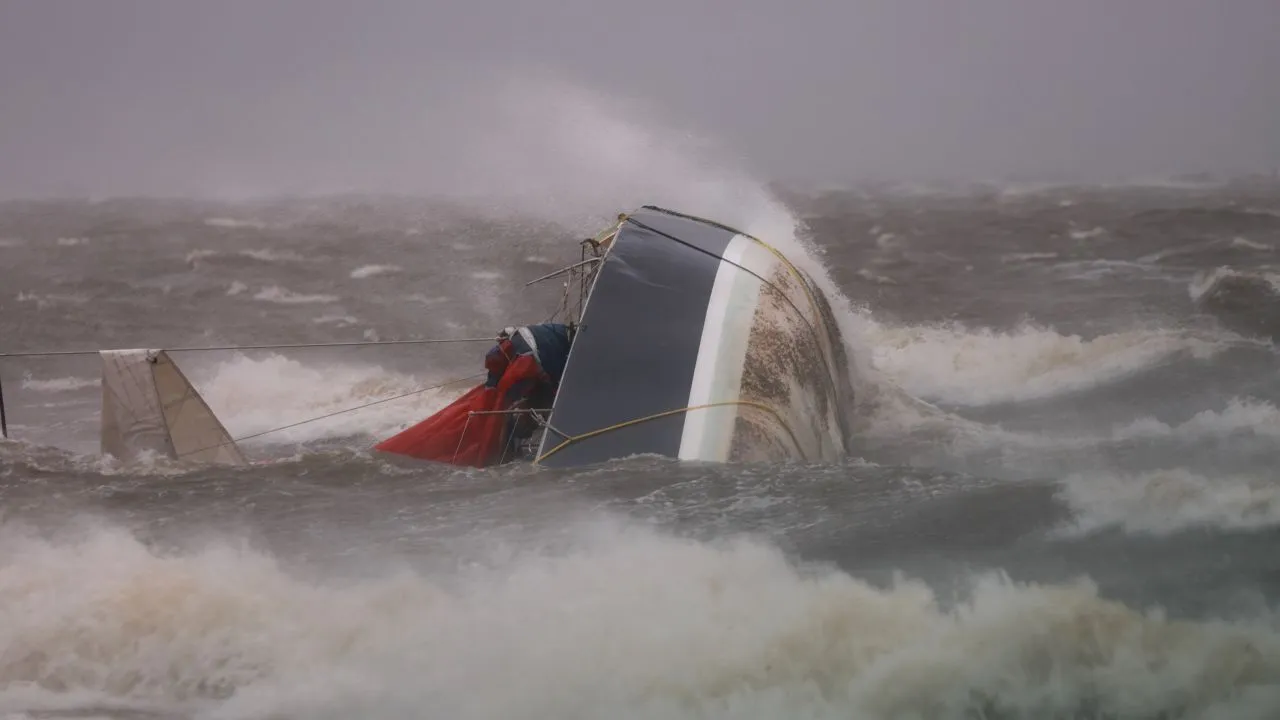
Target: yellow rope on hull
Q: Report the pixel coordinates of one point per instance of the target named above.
(570, 439)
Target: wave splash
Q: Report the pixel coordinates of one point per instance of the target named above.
(625, 623)
(254, 396)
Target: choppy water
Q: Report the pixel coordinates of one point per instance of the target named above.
(1064, 502)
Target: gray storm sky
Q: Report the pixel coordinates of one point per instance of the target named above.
(240, 96)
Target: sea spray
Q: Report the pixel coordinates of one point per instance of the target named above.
(623, 622)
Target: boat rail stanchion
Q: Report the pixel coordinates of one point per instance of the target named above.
(4, 421)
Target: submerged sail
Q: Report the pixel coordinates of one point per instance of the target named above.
(149, 405)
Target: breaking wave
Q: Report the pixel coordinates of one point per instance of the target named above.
(624, 623)
(955, 364)
(48, 300)
(1172, 500)
(1247, 415)
(366, 271)
(277, 294)
(1246, 301)
(235, 223)
(606, 619)
(253, 396)
(62, 384)
(1223, 280)
(266, 255)
(568, 155)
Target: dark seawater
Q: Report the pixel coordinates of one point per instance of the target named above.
(1063, 502)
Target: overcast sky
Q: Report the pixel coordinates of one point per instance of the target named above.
(248, 96)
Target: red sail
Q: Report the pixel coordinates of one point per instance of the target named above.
(455, 436)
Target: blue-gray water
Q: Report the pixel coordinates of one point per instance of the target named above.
(1063, 502)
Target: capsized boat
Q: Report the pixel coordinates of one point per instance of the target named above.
(690, 339)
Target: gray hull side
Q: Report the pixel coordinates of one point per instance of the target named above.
(635, 352)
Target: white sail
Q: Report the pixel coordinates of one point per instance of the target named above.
(149, 405)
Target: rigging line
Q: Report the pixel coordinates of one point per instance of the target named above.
(361, 343)
(334, 413)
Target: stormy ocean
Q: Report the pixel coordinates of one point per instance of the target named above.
(1063, 501)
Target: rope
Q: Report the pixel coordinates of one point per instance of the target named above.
(570, 439)
(333, 414)
(265, 347)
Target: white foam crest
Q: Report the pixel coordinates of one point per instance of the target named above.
(260, 254)
(1094, 270)
(1243, 242)
(1204, 282)
(62, 384)
(871, 276)
(626, 624)
(255, 395)
(341, 320)
(234, 223)
(1258, 417)
(1166, 501)
(1027, 256)
(283, 296)
(955, 364)
(885, 240)
(51, 299)
(367, 271)
(1088, 234)
(269, 255)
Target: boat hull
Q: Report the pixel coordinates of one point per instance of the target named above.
(701, 343)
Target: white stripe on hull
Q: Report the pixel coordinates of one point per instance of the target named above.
(717, 375)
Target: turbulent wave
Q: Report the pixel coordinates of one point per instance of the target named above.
(1247, 415)
(62, 384)
(624, 623)
(1172, 500)
(1248, 301)
(48, 300)
(266, 255)
(954, 364)
(257, 395)
(375, 590)
(366, 271)
(284, 296)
